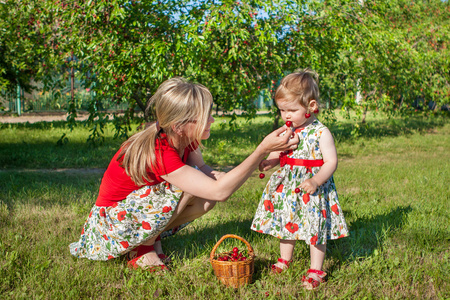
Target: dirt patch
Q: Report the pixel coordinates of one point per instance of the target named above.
(66, 171)
(33, 117)
(39, 117)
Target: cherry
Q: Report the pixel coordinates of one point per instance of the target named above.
(307, 115)
(288, 123)
(235, 249)
(262, 175)
(297, 190)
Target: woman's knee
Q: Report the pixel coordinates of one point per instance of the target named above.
(202, 204)
(208, 205)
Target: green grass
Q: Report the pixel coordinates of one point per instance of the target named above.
(393, 188)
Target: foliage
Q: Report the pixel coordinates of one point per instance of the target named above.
(21, 42)
(385, 55)
(397, 61)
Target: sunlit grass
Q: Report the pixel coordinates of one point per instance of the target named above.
(392, 184)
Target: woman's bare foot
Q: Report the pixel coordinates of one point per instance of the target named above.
(149, 261)
(158, 248)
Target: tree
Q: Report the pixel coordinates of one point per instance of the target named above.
(130, 47)
(19, 43)
(398, 56)
(123, 50)
(236, 52)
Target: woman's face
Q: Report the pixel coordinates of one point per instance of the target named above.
(207, 131)
(190, 129)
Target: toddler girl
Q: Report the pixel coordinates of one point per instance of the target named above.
(300, 200)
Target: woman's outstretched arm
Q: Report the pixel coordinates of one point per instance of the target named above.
(196, 183)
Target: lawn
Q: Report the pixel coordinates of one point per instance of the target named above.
(393, 185)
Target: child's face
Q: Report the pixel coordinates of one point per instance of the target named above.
(292, 111)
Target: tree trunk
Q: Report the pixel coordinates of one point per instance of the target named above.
(140, 104)
(276, 120)
(363, 121)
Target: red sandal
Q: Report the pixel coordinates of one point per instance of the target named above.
(156, 268)
(143, 249)
(139, 251)
(165, 259)
(311, 282)
(276, 269)
(132, 263)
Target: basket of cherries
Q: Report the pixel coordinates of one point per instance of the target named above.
(233, 268)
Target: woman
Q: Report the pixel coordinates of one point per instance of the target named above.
(158, 181)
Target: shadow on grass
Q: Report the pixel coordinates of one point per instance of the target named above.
(343, 130)
(45, 154)
(366, 235)
(387, 127)
(37, 125)
(47, 188)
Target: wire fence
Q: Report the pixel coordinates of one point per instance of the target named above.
(58, 100)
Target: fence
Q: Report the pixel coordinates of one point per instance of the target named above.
(54, 100)
(58, 99)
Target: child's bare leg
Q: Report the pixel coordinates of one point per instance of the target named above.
(317, 256)
(286, 252)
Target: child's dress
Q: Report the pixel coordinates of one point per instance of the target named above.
(293, 216)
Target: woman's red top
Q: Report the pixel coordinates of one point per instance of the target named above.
(116, 185)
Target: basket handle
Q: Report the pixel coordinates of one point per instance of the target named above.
(250, 249)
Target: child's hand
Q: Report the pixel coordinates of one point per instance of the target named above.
(309, 186)
(267, 164)
(216, 174)
(263, 164)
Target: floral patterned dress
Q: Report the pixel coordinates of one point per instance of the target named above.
(111, 231)
(288, 215)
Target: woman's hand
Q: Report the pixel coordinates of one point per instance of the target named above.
(277, 141)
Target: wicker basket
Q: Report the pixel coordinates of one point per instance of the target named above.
(233, 273)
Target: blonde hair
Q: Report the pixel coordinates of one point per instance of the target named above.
(299, 86)
(175, 103)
